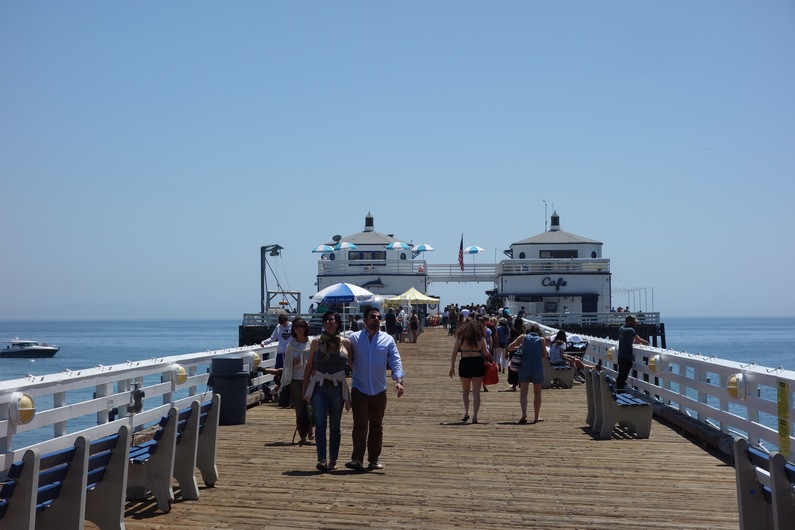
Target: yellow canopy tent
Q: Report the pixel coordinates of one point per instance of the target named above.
(410, 297)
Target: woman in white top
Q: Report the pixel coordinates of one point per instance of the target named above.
(295, 357)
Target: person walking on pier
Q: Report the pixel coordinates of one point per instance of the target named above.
(326, 387)
(295, 359)
(627, 338)
(534, 351)
(281, 333)
(372, 350)
(471, 342)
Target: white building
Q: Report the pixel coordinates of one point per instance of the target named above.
(555, 272)
(371, 265)
(552, 272)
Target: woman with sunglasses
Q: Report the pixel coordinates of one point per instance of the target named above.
(295, 358)
(326, 387)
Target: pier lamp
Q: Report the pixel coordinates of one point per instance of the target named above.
(655, 363)
(610, 353)
(264, 252)
(179, 374)
(255, 360)
(736, 387)
(23, 408)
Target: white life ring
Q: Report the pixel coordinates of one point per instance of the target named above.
(431, 306)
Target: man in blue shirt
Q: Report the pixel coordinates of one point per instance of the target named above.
(372, 351)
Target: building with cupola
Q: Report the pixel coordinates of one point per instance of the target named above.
(555, 272)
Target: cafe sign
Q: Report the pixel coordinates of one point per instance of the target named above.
(557, 284)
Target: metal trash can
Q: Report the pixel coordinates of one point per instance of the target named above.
(229, 377)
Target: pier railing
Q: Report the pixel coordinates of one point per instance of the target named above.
(755, 402)
(589, 319)
(95, 401)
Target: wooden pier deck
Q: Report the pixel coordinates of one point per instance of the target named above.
(440, 473)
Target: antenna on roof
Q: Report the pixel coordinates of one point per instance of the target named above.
(545, 215)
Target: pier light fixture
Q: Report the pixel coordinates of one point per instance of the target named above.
(736, 386)
(610, 351)
(23, 408)
(655, 363)
(179, 374)
(254, 360)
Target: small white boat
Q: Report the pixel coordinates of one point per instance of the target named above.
(28, 348)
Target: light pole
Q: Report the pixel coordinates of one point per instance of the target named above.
(273, 250)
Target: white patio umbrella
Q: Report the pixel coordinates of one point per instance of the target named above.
(343, 293)
(423, 247)
(398, 245)
(474, 249)
(323, 248)
(344, 245)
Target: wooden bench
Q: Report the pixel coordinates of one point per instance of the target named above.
(46, 491)
(151, 464)
(107, 480)
(562, 376)
(63, 488)
(172, 453)
(620, 408)
(765, 488)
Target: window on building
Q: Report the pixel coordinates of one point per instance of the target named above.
(558, 254)
(367, 255)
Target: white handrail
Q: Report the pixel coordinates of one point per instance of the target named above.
(71, 403)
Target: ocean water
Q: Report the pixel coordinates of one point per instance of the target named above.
(765, 341)
(86, 344)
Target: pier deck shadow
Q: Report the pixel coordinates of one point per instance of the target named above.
(440, 473)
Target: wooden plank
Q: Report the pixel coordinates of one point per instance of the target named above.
(443, 474)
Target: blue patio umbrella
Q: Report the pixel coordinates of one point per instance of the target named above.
(342, 293)
(344, 245)
(424, 247)
(398, 245)
(323, 248)
(474, 249)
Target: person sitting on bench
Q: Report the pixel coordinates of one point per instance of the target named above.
(557, 357)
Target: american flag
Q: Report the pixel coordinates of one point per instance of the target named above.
(461, 253)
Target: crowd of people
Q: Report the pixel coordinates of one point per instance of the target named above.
(314, 370)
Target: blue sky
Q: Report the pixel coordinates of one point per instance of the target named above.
(148, 149)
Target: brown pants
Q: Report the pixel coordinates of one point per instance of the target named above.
(368, 429)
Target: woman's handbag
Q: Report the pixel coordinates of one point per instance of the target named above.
(516, 361)
(492, 376)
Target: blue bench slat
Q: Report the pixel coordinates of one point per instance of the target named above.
(99, 460)
(55, 458)
(103, 444)
(7, 489)
(790, 471)
(95, 476)
(46, 494)
(15, 471)
(759, 458)
(53, 474)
